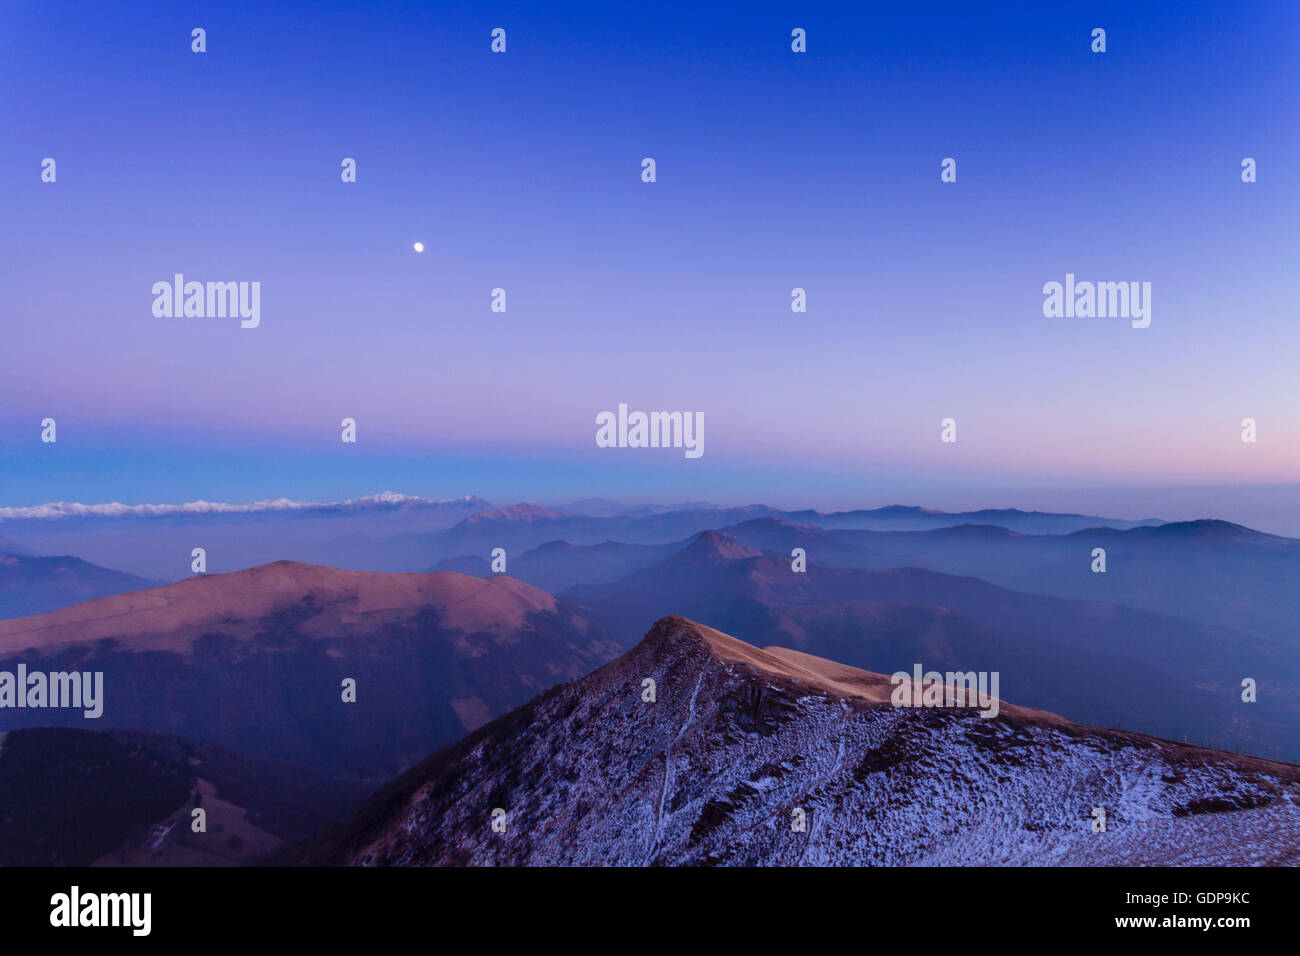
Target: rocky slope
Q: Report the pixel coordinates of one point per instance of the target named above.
(739, 740)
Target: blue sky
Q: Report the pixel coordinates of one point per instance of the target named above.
(775, 170)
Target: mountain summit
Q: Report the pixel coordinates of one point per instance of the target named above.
(752, 756)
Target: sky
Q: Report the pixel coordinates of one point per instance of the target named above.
(775, 170)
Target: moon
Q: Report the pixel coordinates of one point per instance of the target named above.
(418, 247)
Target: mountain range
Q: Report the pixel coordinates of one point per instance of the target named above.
(346, 679)
(396, 532)
(1213, 572)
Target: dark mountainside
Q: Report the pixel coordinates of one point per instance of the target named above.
(76, 797)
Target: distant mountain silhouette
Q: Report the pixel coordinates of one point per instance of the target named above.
(525, 527)
(776, 534)
(907, 518)
(471, 564)
(9, 546)
(1210, 571)
(397, 532)
(155, 541)
(557, 565)
(34, 585)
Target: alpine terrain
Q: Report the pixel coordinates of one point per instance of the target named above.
(760, 757)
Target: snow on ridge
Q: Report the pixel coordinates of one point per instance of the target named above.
(115, 509)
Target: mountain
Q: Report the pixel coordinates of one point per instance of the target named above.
(397, 532)
(156, 540)
(255, 660)
(740, 742)
(907, 518)
(34, 585)
(10, 546)
(1211, 571)
(70, 512)
(557, 565)
(1093, 661)
(470, 564)
(77, 797)
(608, 507)
(775, 534)
(524, 527)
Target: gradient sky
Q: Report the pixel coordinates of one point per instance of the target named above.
(775, 170)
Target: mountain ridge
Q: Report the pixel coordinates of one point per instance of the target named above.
(736, 761)
(259, 661)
